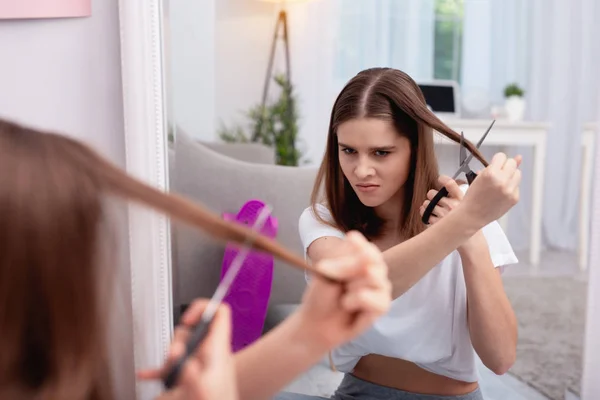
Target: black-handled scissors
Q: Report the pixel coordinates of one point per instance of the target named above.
(201, 329)
(463, 167)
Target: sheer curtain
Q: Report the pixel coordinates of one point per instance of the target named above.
(547, 47)
(332, 40)
(564, 86)
(557, 65)
(392, 33)
(496, 48)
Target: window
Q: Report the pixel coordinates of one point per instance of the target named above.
(448, 39)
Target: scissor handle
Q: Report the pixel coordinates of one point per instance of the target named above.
(198, 335)
(471, 176)
(434, 202)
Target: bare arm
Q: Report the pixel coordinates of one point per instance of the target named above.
(492, 322)
(333, 311)
(491, 195)
(284, 353)
(257, 372)
(330, 314)
(409, 261)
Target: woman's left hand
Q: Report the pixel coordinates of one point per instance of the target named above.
(446, 204)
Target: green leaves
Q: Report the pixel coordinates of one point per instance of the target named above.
(513, 90)
(275, 125)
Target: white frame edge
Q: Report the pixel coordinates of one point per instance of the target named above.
(590, 384)
(146, 159)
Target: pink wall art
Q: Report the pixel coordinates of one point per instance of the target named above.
(26, 9)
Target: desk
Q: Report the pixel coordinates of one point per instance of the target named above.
(588, 139)
(506, 133)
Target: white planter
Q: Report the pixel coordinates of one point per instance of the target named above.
(514, 108)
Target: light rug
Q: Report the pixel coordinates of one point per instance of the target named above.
(551, 317)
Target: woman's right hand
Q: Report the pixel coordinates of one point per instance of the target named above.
(333, 313)
(494, 191)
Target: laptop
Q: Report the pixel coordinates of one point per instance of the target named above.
(442, 97)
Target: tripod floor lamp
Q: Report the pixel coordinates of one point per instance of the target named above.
(281, 30)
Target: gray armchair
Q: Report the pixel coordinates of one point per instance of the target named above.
(224, 184)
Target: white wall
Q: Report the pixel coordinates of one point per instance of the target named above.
(313, 35)
(190, 59)
(243, 35)
(65, 75)
(591, 358)
(217, 53)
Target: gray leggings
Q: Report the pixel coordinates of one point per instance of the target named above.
(353, 388)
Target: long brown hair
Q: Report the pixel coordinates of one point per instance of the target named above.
(52, 192)
(392, 95)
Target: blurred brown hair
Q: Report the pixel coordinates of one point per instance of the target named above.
(391, 95)
(52, 327)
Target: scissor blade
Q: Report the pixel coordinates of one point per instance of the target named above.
(485, 134)
(463, 149)
(465, 163)
(234, 268)
(463, 167)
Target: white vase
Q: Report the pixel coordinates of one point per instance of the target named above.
(514, 107)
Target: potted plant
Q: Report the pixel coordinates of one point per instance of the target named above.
(514, 104)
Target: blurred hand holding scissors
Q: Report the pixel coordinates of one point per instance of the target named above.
(463, 167)
(201, 329)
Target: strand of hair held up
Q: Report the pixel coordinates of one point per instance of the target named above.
(184, 210)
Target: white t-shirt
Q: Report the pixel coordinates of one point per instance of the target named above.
(427, 325)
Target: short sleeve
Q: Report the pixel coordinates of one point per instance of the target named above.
(501, 251)
(311, 229)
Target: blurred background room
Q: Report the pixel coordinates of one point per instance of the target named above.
(530, 64)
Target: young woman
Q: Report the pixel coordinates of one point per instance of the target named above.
(57, 282)
(378, 173)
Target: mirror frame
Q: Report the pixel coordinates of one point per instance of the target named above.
(144, 102)
(146, 158)
(590, 384)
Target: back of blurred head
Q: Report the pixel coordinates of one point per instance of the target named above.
(52, 341)
(54, 276)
